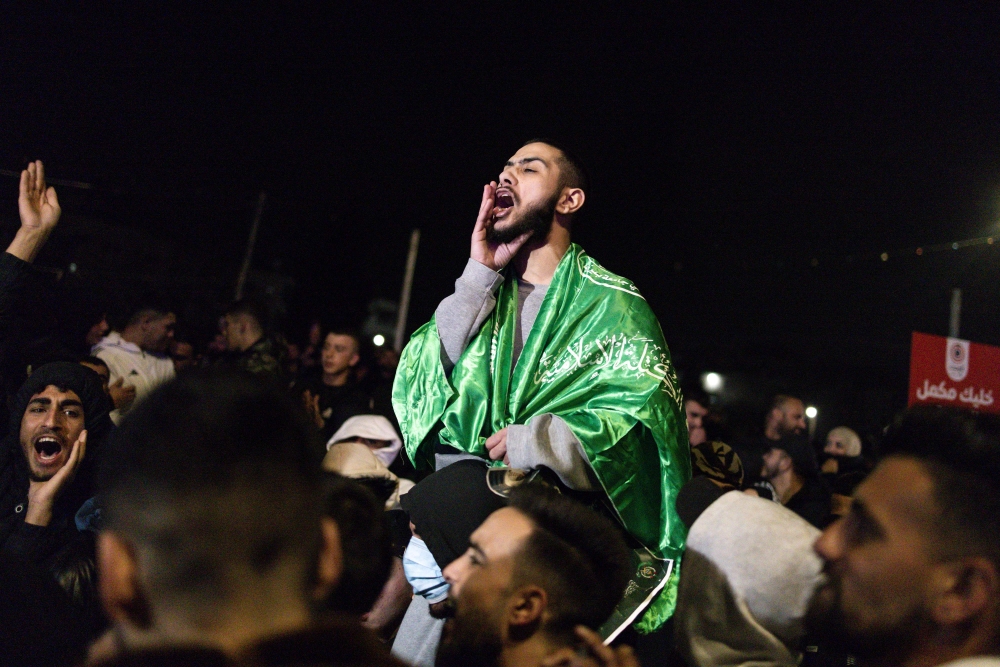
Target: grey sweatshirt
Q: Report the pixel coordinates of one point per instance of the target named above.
(545, 440)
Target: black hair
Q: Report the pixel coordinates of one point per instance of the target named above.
(215, 475)
(577, 555)
(696, 394)
(365, 542)
(572, 172)
(961, 451)
(94, 361)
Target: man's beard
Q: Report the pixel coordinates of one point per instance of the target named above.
(471, 640)
(536, 219)
(827, 625)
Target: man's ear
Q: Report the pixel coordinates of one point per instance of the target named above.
(354, 360)
(330, 565)
(570, 201)
(121, 592)
(963, 589)
(526, 608)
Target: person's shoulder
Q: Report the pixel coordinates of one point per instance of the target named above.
(337, 640)
(594, 272)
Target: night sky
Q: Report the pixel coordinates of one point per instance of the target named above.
(749, 164)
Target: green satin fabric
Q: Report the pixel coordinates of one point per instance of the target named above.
(596, 358)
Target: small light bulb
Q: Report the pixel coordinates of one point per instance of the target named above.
(811, 412)
(712, 382)
(379, 340)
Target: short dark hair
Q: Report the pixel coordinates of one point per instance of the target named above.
(961, 451)
(247, 307)
(781, 400)
(94, 361)
(365, 542)
(215, 477)
(572, 172)
(577, 555)
(148, 305)
(343, 331)
(696, 394)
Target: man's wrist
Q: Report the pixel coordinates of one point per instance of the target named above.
(480, 276)
(38, 514)
(28, 242)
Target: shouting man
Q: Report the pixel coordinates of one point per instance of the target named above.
(543, 358)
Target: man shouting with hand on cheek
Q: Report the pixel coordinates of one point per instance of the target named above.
(542, 358)
(59, 419)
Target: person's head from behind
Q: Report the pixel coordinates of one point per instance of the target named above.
(151, 326)
(340, 353)
(842, 441)
(533, 572)
(242, 326)
(541, 184)
(791, 455)
(914, 568)
(366, 544)
(786, 417)
(212, 499)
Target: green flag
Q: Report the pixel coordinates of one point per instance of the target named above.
(595, 358)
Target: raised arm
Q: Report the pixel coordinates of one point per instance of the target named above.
(39, 210)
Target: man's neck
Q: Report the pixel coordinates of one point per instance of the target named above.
(528, 653)
(338, 379)
(787, 485)
(132, 335)
(229, 633)
(536, 262)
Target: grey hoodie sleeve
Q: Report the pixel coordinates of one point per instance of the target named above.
(547, 441)
(460, 315)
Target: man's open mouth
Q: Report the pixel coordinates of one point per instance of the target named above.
(47, 448)
(504, 202)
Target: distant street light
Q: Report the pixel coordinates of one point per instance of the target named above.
(811, 412)
(379, 340)
(711, 382)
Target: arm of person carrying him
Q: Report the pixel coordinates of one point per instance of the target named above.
(545, 440)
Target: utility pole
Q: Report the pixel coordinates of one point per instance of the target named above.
(956, 313)
(404, 296)
(251, 242)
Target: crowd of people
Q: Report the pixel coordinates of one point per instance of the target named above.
(526, 484)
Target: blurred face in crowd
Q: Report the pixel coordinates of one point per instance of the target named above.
(101, 370)
(776, 461)
(340, 354)
(695, 414)
(528, 190)
(791, 417)
(51, 424)
(158, 332)
(97, 332)
(836, 444)
(882, 562)
(481, 596)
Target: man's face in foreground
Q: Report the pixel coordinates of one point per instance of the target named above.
(528, 190)
(695, 414)
(880, 562)
(51, 424)
(481, 582)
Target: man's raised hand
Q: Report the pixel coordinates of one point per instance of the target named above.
(493, 256)
(37, 204)
(496, 446)
(39, 209)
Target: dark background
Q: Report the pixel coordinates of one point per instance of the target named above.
(750, 164)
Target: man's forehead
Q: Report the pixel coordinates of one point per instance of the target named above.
(54, 393)
(503, 533)
(899, 493)
(340, 339)
(537, 151)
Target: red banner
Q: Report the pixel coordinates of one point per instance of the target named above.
(956, 372)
